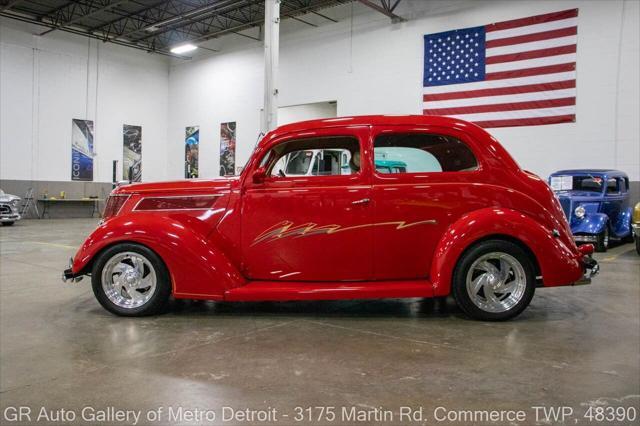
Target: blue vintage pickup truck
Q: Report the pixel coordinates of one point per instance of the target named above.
(596, 203)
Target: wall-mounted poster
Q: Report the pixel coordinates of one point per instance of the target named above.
(227, 149)
(191, 144)
(81, 150)
(132, 153)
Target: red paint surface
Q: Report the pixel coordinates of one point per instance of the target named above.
(300, 238)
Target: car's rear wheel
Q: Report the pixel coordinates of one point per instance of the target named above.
(602, 240)
(638, 243)
(631, 237)
(494, 281)
(131, 280)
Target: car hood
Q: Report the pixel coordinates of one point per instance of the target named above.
(7, 198)
(580, 195)
(178, 186)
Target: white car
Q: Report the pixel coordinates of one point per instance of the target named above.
(9, 208)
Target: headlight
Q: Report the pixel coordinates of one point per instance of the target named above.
(16, 202)
(579, 212)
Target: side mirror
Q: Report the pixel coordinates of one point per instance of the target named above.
(259, 175)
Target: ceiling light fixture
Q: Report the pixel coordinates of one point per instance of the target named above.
(183, 48)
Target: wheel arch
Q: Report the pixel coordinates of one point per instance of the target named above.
(509, 238)
(558, 266)
(88, 267)
(197, 268)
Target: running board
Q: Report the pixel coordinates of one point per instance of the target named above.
(294, 290)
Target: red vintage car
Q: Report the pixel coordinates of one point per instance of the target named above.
(460, 217)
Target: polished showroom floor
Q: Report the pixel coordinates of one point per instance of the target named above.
(574, 346)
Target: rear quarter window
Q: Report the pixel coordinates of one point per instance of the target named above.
(424, 153)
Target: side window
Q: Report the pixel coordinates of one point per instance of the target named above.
(420, 153)
(613, 186)
(326, 156)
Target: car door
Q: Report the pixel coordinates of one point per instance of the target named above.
(416, 204)
(309, 228)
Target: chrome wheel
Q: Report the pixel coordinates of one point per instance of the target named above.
(496, 282)
(129, 280)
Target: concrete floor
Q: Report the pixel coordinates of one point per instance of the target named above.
(575, 346)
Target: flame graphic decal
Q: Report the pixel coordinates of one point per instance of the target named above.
(287, 229)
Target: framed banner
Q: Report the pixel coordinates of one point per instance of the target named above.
(191, 151)
(227, 148)
(81, 150)
(132, 153)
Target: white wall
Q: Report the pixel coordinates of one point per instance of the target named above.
(363, 62)
(313, 111)
(45, 82)
(378, 70)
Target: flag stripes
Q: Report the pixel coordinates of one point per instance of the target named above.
(529, 78)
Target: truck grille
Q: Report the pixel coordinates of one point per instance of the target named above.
(5, 209)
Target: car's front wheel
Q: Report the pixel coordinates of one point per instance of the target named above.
(7, 223)
(602, 240)
(494, 280)
(130, 280)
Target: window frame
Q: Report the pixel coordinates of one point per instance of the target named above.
(359, 133)
(269, 167)
(618, 182)
(377, 131)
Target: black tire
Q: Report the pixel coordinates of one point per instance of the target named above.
(158, 300)
(629, 238)
(602, 240)
(459, 285)
(7, 223)
(638, 243)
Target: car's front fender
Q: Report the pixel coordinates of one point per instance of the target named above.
(198, 269)
(591, 223)
(559, 264)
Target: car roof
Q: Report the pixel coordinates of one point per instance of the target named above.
(373, 120)
(606, 172)
(480, 140)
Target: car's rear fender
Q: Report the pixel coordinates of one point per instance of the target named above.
(198, 269)
(622, 226)
(592, 223)
(559, 264)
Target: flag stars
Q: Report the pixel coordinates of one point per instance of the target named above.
(454, 57)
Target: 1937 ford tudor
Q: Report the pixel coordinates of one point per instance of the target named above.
(460, 217)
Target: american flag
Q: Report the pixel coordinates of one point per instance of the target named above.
(513, 73)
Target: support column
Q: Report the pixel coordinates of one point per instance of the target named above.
(271, 54)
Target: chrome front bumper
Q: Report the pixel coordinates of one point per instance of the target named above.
(591, 269)
(68, 275)
(10, 217)
(585, 238)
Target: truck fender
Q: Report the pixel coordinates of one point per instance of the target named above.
(591, 223)
(198, 269)
(558, 264)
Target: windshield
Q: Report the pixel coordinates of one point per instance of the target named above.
(584, 183)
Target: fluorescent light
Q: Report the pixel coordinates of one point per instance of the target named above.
(184, 48)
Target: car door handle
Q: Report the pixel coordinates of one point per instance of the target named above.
(363, 201)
